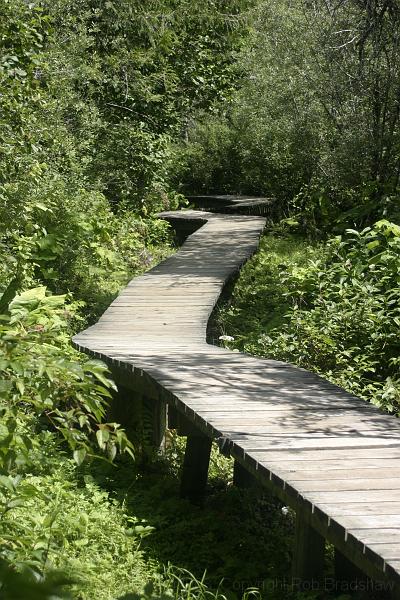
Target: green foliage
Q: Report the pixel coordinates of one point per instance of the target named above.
(92, 95)
(315, 122)
(240, 537)
(57, 228)
(50, 396)
(209, 162)
(23, 31)
(86, 133)
(80, 246)
(150, 66)
(46, 384)
(73, 525)
(334, 310)
(261, 296)
(174, 584)
(116, 531)
(173, 57)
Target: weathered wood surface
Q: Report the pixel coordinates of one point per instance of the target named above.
(233, 204)
(329, 455)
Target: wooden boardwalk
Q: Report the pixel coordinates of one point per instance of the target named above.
(231, 204)
(329, 455)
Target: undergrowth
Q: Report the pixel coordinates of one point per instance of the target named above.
(231, 538)
(115, 531)
(332, 308)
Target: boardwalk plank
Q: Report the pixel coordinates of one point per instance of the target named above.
(361, 508)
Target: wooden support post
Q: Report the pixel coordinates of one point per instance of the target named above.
(195, 467)
(347, 575)
(308, 555)
(173, 417)
(142, 417)
(126, 408)
(242, 478)
(154, 423)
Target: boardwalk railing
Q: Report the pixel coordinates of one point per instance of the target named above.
(329, 455)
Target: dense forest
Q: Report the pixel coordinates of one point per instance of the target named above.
(111, 112)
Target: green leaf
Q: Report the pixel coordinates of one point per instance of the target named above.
(80, 455)
(42, 207)
(111, 451)
(7, 482)
(29, 299)
(102, 435)
(20, 386)
(143, 531)
(15, 503)
(27, 490)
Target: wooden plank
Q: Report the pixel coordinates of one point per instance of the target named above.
(310, 468)
(345, 496)
(310, 441)
(337, 474)
(361, 508)
(370, 521)
(334, 485)
(385, 535)
(270, 428)
(270, 399)
(322, 455)
(391, 551)
(246, 410)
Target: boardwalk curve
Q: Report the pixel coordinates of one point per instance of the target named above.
(331, 456)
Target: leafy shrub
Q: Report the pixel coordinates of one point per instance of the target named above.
(45, 388)
(45, 383)
(207, 161)
(336, 313)
(73, 242)
(64, 523)
(57, 227)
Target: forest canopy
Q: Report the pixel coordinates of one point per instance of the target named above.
(315, 122)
